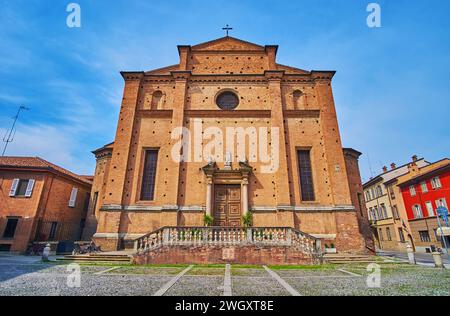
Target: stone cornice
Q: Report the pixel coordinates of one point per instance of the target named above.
(132, 75)
(181, 75)
(274, 74)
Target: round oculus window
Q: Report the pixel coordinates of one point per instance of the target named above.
(227, 101)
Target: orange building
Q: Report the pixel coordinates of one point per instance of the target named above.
(40, 201)
(225, 132)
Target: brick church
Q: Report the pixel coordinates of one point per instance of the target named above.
(224, 133)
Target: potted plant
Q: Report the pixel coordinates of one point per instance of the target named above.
(247, 219)
(208, 220)
(330, 249)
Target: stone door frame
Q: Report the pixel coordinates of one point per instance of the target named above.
(216, 176)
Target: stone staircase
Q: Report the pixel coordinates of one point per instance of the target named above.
(104, 258)
(349, 259)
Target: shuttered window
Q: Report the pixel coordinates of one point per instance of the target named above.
(149, 176)
(22, 188)
(73, 197)
(306, 177)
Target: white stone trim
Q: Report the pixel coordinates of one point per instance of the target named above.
(118, 235)
(324, 236)
(305, 209)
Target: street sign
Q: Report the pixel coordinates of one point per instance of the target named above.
(443, 213)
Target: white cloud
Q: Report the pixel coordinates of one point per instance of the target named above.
(56, 144)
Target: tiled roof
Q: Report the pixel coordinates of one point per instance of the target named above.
(39, 163)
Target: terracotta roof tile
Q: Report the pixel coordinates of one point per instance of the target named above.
(39, 163)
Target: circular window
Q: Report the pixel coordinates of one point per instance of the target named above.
(227, 100)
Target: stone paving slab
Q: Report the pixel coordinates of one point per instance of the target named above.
(198, 286)
(310, 273)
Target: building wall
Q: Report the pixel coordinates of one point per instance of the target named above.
(357, 195)
(98, 193)
(265, 101)
(429, 222)
(23, 208)
(48, 203)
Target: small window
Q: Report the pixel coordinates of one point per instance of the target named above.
(94, 202)
(73, 197)
(424, 236)
(381, 235)
(306, 176)
(22, 188)
(10, 229)
(441, 203)
(384, 211)
(379, 191)
(227, 101)
(430, 209)
(401, 235)
(392, 193)
(417, 209)
(149, 177)
(360, 204)
(395, 212)
(53, 229)
(436, 183)
(424, 187)
(388, 234)
(412, 190)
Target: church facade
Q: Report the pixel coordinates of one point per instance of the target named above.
(226, 134)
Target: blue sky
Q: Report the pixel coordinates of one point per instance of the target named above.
(391, 88)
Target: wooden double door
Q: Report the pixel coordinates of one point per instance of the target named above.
(227, 206)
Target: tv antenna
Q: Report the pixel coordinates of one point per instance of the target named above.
(11, 133)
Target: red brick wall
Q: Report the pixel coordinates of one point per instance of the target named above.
(219, 255)
(49, 202)
(356, 189)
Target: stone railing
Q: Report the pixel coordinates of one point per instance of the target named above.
(228, 236)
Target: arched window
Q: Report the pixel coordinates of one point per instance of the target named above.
(299, 99)
(157, 100)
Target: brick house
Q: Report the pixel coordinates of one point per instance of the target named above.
(40, 201)
(149, 178)
(424, 189)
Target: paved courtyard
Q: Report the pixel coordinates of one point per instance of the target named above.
(28, 276)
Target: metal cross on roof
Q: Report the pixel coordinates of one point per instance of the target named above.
(227, 28)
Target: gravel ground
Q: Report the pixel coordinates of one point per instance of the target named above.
(27, 276)
(197, 286)
(257, 286)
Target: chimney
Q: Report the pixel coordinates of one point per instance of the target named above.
(393, 166)
(415, 158)
(385, 169)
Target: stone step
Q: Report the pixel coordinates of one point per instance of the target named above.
(96, 258)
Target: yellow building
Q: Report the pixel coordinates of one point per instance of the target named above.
(386, 210)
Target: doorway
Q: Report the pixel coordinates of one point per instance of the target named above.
(227, 206)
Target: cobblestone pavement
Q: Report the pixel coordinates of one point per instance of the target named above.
(28, 276)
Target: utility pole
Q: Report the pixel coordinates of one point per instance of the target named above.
(9, 136)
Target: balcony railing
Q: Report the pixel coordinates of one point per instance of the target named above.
(228, 236)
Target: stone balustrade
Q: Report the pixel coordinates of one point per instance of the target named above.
(229, 236)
